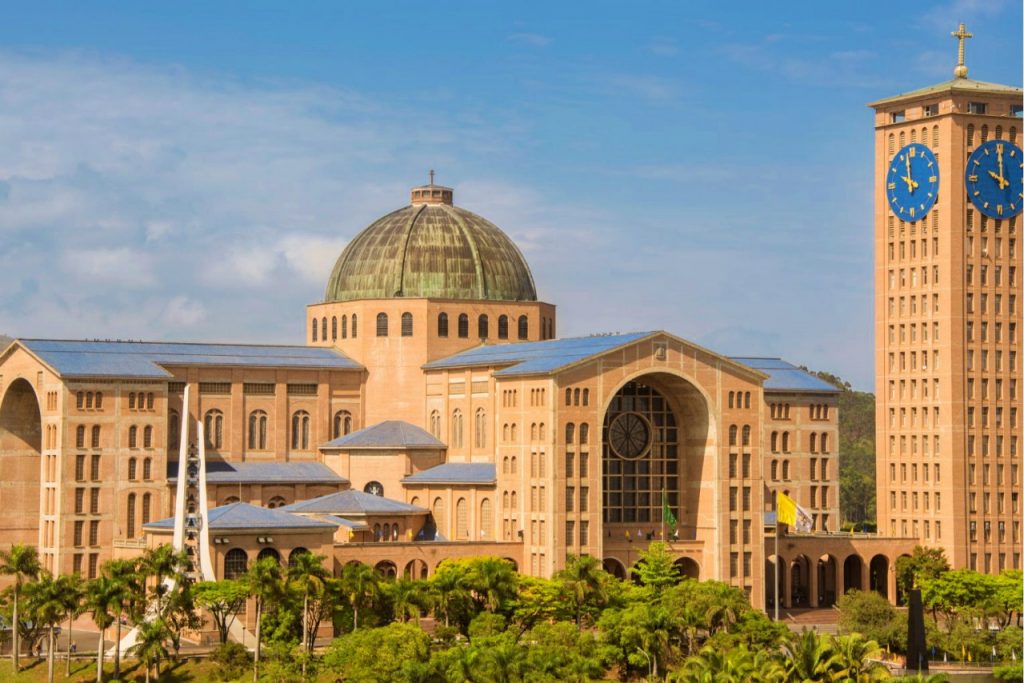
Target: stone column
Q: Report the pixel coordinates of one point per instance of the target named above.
(787, 584)
(813, 583)
(891, 579)
(840, 578)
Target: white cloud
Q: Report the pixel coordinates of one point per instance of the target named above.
(532, 39)
(183, 312)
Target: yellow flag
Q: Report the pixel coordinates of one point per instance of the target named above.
(786, 509)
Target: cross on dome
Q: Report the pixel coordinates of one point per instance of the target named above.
(961, 35)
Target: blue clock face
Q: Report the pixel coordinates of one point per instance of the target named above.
(912, 182)
(995, 179)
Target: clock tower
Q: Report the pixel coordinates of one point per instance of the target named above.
(948, 199)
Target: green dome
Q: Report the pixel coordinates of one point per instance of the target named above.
(431, 249)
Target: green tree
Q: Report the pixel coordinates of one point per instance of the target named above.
(959, 592)
(377, 654)
(129, 596)
(738, 665)
(450, 595)
(361, 585)
(1008, 596)
(44, 604)
(637, 635)
(72, 596)
(21, 562)
(223, 600)
(584, 581)
(263, 582)
(811, 658)
(307, 574)
(858, 659)
(180, 613)
(921, 565)
(102, 595)
(656, 568)
(492, 580)
(871, 615)
(557, 652)
(406, 597)
(150, 646)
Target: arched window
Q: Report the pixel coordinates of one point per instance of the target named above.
(236, 562)
(568, 397)
(147, 502)
(355, 326)
(524, 327)
(785, 442)
(435, 424)
(480, 429)
(131, 401)
(775, 442)
(824, 443)
(514, 464)
(984, 137)
(316, 329)
(586, 397)
(129, 530)
(133, 436)
(80, 400)
(814, 442)
(213, 424)
(463, 326)
(456, 435)
(970, 135)
(540, 431)
(746, 435)
(482, 327)
(80, 436)
(323, 328)
(147, 437)
(892, 143)
(300, 430)
(276, 502)
(732, 395)
(775, 470)
(132, 469)
(584, 434)
(442, 324)
(258, 430)
(342, 423)
(382, 324)
(385, 533)
(231, 500)
(785, 470)
(437, 510)
(293, 556)
(334, 327)
(147, 468)
(486, 519)
(174, 429)
(504, 500)
(746, 399)
(576, 397)
(95, 436)
(515, 436)
(502, 327)
(269, 552)
(515, 499)
(461, 519)
(733, 434)
(344, 327)
(99, 400)
(570, 433)
(407, 324)
(88, 400)
(935, 137)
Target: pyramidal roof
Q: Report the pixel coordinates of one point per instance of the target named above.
(955, 85)
(387, 434)
(352, 503)
(246, 516)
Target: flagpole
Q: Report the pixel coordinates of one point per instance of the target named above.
(775, 578)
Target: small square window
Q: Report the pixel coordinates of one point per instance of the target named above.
(1017, 110)
(931, 110)
(897, 117)
(977, 108)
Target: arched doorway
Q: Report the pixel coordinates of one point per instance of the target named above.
(878, 571)
(826, 581)
(515, 565)
(853, 568)
(415, 569)
(688, 568)
(800, 582)
(901, 598)
(21, 444)
(271, 553)
(387, 569)
(614, 567)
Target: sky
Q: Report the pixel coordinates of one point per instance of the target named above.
(192, 170)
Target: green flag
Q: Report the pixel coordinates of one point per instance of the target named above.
(666, 513)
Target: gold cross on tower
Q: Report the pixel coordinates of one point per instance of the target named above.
(961, 34)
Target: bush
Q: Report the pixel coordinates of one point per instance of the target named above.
(231, 660)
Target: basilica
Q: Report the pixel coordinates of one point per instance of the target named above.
(433, 412)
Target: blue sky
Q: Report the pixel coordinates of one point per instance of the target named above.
(192, 170)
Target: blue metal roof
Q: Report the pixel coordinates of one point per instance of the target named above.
(529, 358)
(456, 473)
(388, 434)
(220, 472)
(83, 358)
(351, 502)
(784, 376)
(246, 516)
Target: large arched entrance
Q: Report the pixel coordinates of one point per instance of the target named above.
(826, 581)
(21, 443)
(853, 568)
(879, 575)
(687, 568)
(800, 586)
(654, 439)
(614, 567)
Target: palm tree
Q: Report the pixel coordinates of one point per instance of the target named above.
(21, 562)
(306, 572)
(448, 589)
(855, 654)
(811, 658)
(161, 562)
(493, 580)
(72, 595)
(129, 590)
(405, 599)
(263, 581)
(150, 646)
(360, 583)
(101, 597)
(43, 599)
(738, 665)
(584, 579)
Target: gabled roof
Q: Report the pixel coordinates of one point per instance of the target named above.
(456, 473)
(353, 503)
(388, 434)
(528, 358)
(784, 376)
(956, 85)
(220, 472)
(146, 360)
(245, 516)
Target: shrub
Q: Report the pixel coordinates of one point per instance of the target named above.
(231, 660)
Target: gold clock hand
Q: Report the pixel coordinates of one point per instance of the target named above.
(999, 179)
(910, 181)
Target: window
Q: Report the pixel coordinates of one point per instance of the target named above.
(258, 430)
(482, 326)
(486, 518)
(461, 519)
(456, 435)
(343, 423)
(276, 502)
(898, 117)
(931, 110)
(407, 324)
(236, 562)
(213, 425)
(94, 533)
(570, 433)
(173, 429)
(355, 326)
(334, 327)
(133, 436)
(382, 324)
(80, 468)
(300, 430)
(147, 469)
(435, 424)
(586, 397)
(977, 108)
(94, 468)
(524, 327)
(480, 429)
(132, 469)
(130, 522)
(442, 324)
(147, 437)
(463, 326)
(733, 435)
(584, 434)
(315, 330)
(80, 436)
(344, 327)
(503, 327)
